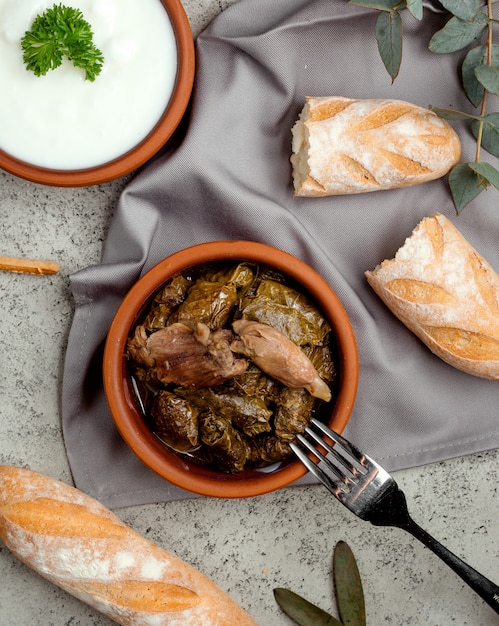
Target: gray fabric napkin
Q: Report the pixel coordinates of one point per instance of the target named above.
(229, 177)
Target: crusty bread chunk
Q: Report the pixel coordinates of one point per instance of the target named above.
(345, 146)
(81, 546)
(447, 294)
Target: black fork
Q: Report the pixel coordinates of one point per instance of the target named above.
(367, 490)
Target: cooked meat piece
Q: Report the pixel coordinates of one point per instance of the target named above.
(278, 357)
(187, 358)
(137, 348)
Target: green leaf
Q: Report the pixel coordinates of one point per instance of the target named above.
(348, 586)
(457, 34)
(474, 59)
(487, 172)
(465, 185)
(473, 89)
(452, 115)
(488, 76)
(302, 611)
(416, 8)
(464, 9)
(490, 133)
(389, 38)
(380, 5)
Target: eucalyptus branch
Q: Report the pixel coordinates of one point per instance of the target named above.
(480, 77)
(489, 63)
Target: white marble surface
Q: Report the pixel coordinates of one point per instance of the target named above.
(250, 546)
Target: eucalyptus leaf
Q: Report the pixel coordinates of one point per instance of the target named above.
(473, 59)
(348, 586)
(380, 5)
(389, 37)
(452, 115)
(416, 8)
(464, 184)
(457, 34)
(488, 77)
(464, 9)
(487, 172)
(302, 611)
(490, 133)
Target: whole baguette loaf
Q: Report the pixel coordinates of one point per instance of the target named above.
(345, 146)
(447, 294)
(78, 544)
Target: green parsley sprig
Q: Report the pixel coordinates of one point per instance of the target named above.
(61, 32)
(469, 23)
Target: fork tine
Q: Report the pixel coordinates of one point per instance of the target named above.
(323, 462)
(314, 469)
(337, 453)
(352, 450)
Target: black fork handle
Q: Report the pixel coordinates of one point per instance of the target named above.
(485, 588)
(391, 510)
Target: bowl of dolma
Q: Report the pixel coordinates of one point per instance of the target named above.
(218, 356)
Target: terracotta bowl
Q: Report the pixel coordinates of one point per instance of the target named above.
(179, 469)
(150, 145)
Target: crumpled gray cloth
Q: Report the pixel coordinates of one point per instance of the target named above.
(229, 177)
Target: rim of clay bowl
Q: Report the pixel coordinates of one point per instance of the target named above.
(150, 145)
(122, 402)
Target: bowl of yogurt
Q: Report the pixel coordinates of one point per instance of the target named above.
(62, 129)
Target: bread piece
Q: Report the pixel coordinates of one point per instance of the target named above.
(78, 544)
(345, 146)
(447, 294)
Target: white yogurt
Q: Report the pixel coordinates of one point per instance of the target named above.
(63, 121)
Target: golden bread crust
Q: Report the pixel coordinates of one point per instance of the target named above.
(345, 146)
(79, 545)
(447, 294)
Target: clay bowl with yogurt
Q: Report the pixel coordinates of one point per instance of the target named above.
(175, 410)
(60, 129)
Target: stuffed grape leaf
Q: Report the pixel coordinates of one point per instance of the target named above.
(174, 420)
(250, 414)
(196, 392)
(288, 311)
(165, 302)
(210, 303)
(225, 446)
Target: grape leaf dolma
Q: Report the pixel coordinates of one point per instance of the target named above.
(230, 412)
(293, 411)
(174, 420)
(208, 303)
(225, 447)
(242, 276)
(165, 302)
(288, 311)
(250, 414)
(266, 449)
(212, 298)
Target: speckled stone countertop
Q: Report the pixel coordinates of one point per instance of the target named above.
(247, 547)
